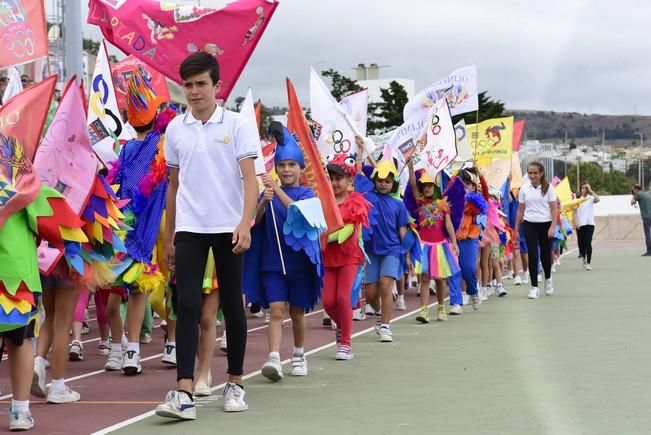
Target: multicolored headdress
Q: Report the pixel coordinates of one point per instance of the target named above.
(142, 102)
(287, 147)
(343, 164)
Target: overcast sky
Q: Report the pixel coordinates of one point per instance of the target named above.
(564, 55)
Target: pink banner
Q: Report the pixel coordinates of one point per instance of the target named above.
(163, 34)
(23, 35)
(65, 160)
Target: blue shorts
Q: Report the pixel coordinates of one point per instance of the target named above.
(523, 243)
(382, 265)
(295, 288)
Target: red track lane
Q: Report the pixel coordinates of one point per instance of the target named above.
(110, 397)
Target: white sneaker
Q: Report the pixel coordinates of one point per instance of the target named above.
(533, 293)
(466, 299)
(377, 325)
(169, 355)
(368, 309)
(549, 287)
(114, 362)
(394, 290)
(501, 291)
(525, 277)
(455, 310)
(223, 343)
(385, 335)
(234, 398)
(131, 363)
(19, 421)
(146, 338)
(177, 405)
(490, 290)
(539, 277)
(202, 388)
(38, 380)
(62, 395)
(554, 268)
(483, 294)
(588, 266)
(272, 370)
(517, 281)
(299, 365)
(267, 317)
(359, 314)
(344, 353)
(400, 303)
(76, 351)
(476, 302)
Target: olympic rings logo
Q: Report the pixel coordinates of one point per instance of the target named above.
(341, 145)
(20, 42)
(101, 94)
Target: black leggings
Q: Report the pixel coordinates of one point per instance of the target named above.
(191, 256)
(585, 234)
(536, 235)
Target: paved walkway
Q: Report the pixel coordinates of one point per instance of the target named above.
(573, 363)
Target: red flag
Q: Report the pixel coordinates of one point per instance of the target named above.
(123, 70)
(163, 34)
(314, 172)
(24, 115)
(21, 125)
(518, 130)
(23, 32)
(258, 113)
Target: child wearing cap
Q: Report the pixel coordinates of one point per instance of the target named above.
(343, 256)
(439, 258)
(286, 276)
(389, 220)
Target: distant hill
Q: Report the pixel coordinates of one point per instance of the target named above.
(582, 128)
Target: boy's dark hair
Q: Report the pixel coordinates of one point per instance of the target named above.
(145, 128)
(198, 63)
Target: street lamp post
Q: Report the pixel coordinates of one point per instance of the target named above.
(641, 164)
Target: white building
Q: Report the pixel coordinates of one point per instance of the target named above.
(369, 77)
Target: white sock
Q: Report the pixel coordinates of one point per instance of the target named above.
(274, 355)
(58, 384)
(125, 342)
(299, 351)
(116, 348)
(384, 325)
(171, 343)
(105, 342)
(133, 346)
(39, 359)
(401, 298)
(19, 405)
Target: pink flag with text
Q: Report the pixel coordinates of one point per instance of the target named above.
(163, 34)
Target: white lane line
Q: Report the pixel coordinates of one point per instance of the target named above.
(148, 414)
(158, 355)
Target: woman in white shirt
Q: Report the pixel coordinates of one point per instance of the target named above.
(538, 214)
(584, 224)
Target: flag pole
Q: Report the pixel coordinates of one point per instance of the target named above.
(280, 249)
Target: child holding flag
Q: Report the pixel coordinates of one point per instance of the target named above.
(389, 220)
(286, 276)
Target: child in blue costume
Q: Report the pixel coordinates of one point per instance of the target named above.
(286, 275)
(383, 244)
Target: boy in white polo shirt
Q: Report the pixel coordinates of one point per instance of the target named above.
(211, 201)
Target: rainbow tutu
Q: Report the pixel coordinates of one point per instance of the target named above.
(438, 260)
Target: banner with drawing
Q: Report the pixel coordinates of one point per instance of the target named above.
(23, 34)
(440, 148)
(163, 33)
(491, 139)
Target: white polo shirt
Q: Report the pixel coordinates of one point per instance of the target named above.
(585, 212)
(210, 196)
(537, 207)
